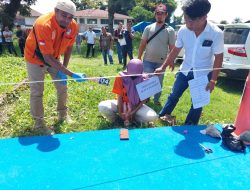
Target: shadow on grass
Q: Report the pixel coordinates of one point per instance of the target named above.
(230, 85)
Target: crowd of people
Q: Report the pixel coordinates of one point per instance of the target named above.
(159, 47)
(6, 40)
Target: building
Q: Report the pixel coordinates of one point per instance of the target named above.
(27, 21)
(89, 17)
(97, 18)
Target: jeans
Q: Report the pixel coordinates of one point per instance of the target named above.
(105, 53)
(149, 67)
(119, 52)
(180, 85)
(126, 50)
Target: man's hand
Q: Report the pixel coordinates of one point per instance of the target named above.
(211, 85)
(62, 77)
(159, 70)
(79, 77)
(171, 66)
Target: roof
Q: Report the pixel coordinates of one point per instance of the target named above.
(35, 13)
(96, 13)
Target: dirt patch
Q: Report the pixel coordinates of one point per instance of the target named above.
(8, 98)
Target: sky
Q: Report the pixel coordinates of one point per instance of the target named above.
(221, 9)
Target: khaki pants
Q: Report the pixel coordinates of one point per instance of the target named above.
(37, 73)
(109, 109)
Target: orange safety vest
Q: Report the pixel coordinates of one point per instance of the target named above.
(52, 39)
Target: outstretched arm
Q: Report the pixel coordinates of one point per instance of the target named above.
(169, 60)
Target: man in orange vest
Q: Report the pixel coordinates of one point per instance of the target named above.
(53, 35)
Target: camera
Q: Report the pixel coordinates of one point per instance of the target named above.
(120, 35)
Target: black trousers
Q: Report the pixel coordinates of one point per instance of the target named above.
(1, 48)
(90, 47)
(11, 48)
(21, 46)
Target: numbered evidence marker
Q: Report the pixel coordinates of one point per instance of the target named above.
(124, 134)
(104, 81)
(101, 80)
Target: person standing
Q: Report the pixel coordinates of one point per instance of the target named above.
(1, 42)
(118, 35)
(127, 49)
(78, 43)
(157, 41)
(8, 36)
(90, 38)
(20, 34)
(53, 34)
(106, 46)
(203, 44)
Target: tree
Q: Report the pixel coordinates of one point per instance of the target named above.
(90, 4)
(9, 9)
(150, 5)
(140, 14)
(223, 22)
(178, 20)
(237, 20)
(118, 6)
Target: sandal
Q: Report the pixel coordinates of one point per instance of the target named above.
(171, 120)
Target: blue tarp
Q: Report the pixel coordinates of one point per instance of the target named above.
(152, 159)
(139, 27)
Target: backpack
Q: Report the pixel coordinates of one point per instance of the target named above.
(230, 141)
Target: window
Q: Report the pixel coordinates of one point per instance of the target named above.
(82, 20)
(235, 35)
(91, 21)
(104, 21)
(116, 22)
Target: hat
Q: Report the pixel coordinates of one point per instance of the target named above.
(67, 6)
(135, 66)
(161, 8)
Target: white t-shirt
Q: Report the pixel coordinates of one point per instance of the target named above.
(90, 36)
(200, 51)
(9, 34)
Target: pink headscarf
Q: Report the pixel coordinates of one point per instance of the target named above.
(134, 68)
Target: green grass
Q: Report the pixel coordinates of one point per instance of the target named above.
(15, 119)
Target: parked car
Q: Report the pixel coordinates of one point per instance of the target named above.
(236, 61)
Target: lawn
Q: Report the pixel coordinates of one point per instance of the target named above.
(15, 119)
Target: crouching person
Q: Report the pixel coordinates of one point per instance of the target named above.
(128, 106)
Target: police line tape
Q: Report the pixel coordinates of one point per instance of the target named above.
(97, 79)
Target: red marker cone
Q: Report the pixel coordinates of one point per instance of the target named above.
(242, 122)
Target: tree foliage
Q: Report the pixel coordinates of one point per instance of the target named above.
(9, 9)
(223, 22)
(140, 14)
(149, 5)
(118, 6)
(90, 4)
(237, 20)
